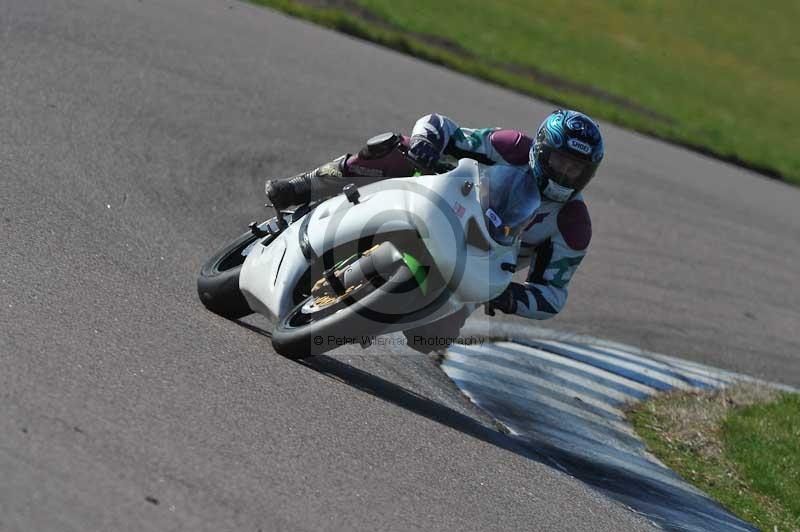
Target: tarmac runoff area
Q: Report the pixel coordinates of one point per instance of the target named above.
(135, 137)
(562, 396)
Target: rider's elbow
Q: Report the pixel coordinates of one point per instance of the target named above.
(542, 316)
(559, 299)
(548, 314)
(548, 302)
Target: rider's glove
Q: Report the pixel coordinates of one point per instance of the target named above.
(423, 151)
(507, 301)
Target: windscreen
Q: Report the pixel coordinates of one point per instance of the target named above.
(509, 198)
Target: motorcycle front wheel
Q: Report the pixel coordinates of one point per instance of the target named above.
(218, 281)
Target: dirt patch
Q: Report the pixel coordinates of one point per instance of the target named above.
(685, 431)
(692, 420)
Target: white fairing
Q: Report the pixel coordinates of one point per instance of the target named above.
(438, 207)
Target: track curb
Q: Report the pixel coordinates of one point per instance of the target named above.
(563, 396)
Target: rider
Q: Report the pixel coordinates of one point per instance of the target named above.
(563, 157)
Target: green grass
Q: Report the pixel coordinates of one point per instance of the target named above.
(723, 77)
(764, 440)
(741, 446)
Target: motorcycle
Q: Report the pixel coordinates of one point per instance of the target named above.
(390, 256)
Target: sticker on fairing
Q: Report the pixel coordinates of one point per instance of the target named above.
(495, 219)
(579, 146)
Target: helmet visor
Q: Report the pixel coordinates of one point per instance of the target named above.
(568, 171)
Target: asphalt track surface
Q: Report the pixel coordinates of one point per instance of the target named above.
(135, 137)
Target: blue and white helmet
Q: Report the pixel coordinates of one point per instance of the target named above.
(566, 153)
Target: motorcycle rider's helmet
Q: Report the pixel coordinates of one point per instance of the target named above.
(565, 154)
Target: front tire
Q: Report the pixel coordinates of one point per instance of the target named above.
(218, 282)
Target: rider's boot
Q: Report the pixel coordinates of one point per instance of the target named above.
(377, 160)
(327, 180)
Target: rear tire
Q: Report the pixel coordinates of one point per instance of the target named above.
(218, 282)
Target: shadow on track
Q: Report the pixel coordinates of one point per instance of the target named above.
(402, 397)
(668, 505)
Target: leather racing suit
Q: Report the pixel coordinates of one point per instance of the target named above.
(554, 243)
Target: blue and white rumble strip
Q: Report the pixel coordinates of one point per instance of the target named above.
(562, 397)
